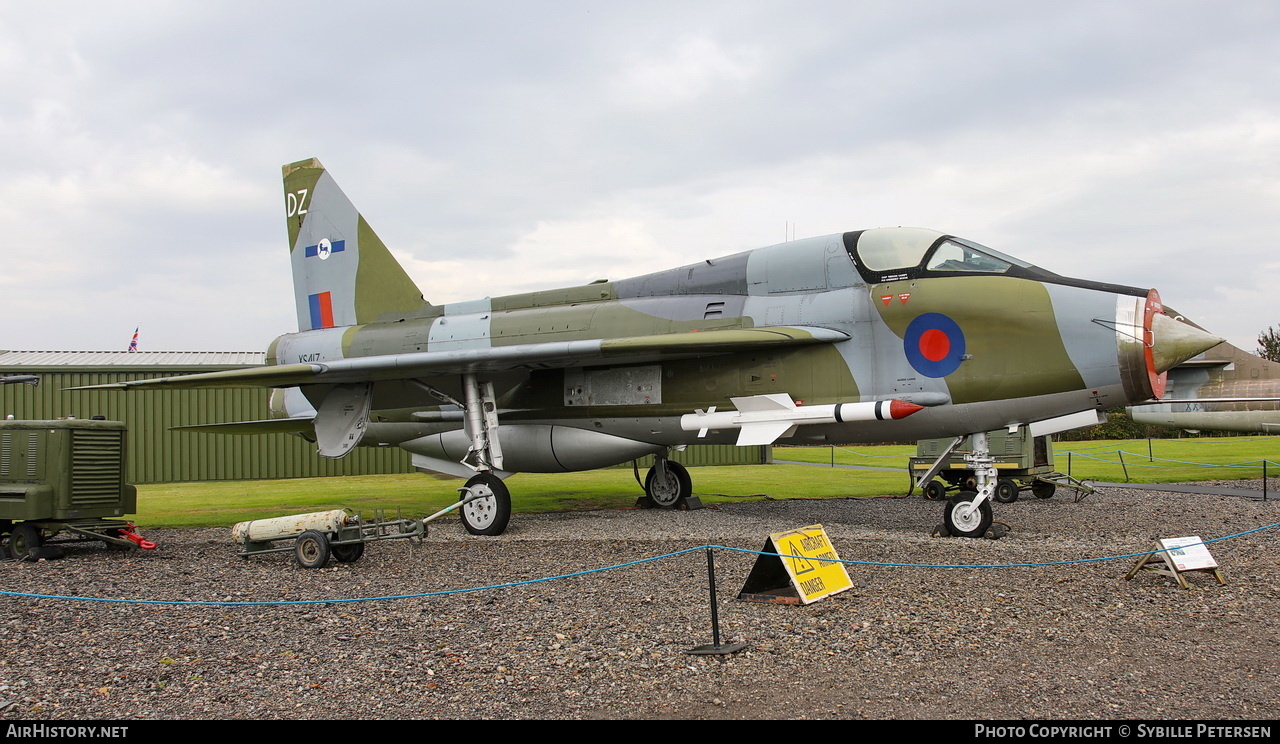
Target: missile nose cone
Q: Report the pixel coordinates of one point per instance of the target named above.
(901, 409)
(1174, 342)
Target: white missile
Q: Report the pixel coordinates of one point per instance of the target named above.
(762, 419)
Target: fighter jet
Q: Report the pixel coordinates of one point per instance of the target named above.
(888, 334)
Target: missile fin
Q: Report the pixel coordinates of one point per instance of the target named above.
(764, 433)
(770, 402)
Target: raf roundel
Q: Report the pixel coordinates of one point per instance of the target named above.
(934, 345)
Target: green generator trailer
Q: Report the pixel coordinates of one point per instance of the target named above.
(64, 478)
(1024, 463)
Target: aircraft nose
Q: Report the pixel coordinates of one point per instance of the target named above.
(1174, 342)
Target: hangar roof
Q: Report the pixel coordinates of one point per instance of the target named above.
(134, 360)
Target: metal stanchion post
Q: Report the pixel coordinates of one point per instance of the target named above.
(716, 647)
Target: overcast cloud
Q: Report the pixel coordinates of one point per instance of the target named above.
(499, 147)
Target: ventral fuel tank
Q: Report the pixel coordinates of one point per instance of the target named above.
(263, 530)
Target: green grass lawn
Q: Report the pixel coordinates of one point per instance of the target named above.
(1170, 460)
(223, 503)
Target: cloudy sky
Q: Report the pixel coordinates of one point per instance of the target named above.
(499, 147)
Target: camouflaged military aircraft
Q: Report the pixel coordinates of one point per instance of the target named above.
(891, 334)
(1224, 389)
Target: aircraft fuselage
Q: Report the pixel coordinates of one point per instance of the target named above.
(980, 350)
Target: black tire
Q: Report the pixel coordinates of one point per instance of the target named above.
(489, 514)
(671, 490)
(22, 539)
(975, 525)
(1043, 489)
(935, 490)
(1006, 491)
(48, 552)
(311, 549)
(349, 553)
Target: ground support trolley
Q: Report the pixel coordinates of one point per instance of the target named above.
(1023, 464)
(339, 533)
(64, 477)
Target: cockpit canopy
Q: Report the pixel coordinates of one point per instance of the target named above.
(889, 254)
(897, 249)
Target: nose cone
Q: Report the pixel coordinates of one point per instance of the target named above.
(1174, 342)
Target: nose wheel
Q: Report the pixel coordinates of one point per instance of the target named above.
(968, 513)
(963, 519)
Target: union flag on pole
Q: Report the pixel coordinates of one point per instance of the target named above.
(133, 345)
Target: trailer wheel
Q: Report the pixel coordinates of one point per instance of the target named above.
(1006, 491)
(23, 538)
(1043, 489)
(935, 490)
(349, 553)
(312, 549)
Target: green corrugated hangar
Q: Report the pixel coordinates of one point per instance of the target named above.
(159, 455)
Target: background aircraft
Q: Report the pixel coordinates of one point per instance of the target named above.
(1224, 389)
(892, 334)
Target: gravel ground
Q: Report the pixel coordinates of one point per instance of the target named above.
(1054, 642)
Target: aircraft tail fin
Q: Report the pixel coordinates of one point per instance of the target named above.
(343, 274)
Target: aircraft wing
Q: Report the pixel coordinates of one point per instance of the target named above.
(549, 355)
(296, 425)
(1158, 401)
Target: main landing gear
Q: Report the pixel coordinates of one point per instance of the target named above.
(668, 485)
(486, 506)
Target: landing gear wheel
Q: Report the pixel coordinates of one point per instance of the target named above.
(22, 539)
(347, 553)
(935, 490)
(1006, 491)
(489, 514)
(1043, 489)
(670, 489)
(312, 549)
(972, 524)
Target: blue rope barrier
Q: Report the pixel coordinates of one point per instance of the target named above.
(283, 603)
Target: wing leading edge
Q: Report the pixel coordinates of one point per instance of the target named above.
(549, 355)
